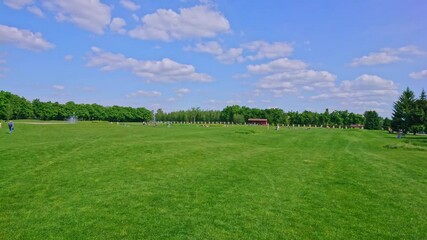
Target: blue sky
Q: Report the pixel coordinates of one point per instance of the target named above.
(174, 55)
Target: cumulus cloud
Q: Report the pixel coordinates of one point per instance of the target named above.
(293, 80)
(223, 55)
(166, 25)
(91, 15)
(23, 38)
(268, 50)
(366, 91)
(142, 93)
(182, 91)
(248, 51)
(285, 75)
(129, 5)
(387, 55)
(375, 58)
(117, 25)
(279, 65)
(419, 75)
(165, 70)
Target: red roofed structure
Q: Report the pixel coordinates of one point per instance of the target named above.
(258, 121)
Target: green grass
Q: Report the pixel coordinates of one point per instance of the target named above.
(108, 181)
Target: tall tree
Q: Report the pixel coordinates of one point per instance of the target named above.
(420, 114)
(402, 111)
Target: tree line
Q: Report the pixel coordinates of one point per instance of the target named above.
(410, 113)
(240, 114)
(15, 107)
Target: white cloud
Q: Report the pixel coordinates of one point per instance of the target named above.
(58, 87)
(142, 93)
(406, 50)
(279, 65)
(117, 25)
(367, 82)
(262, 49)
(223, 55)
(36, 11)
(231, 55)
(129, 5)
(23, 38)
(165, 70)
(68, 57)
(375, 58)
(91, 15)
(285, 82)
(285, 75)
(419, 75)
(194, 22)
(18, 4)
(265, 49)
(211, 47)
(387, 55)
(182, 91)
(365, 92)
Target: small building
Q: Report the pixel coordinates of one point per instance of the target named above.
(258, 121)
(359, 126)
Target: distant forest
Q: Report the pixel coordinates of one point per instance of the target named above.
(410, 114)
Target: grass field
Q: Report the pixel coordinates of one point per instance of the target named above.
(108, 181)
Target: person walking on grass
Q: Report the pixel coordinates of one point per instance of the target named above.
(11, 126)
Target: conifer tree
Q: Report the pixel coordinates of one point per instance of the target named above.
(403, 111)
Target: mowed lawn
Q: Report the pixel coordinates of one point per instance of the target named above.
(108, 181)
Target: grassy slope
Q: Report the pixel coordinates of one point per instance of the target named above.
(96, 180)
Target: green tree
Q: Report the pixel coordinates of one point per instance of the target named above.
(194, 114)
(372, 120)
(386, 123)
(422, 105)
(6, 110)
(336, 118)
(274, 115)
(238, 118)
(403, 111)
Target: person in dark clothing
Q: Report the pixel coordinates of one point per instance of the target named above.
(11, 126)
